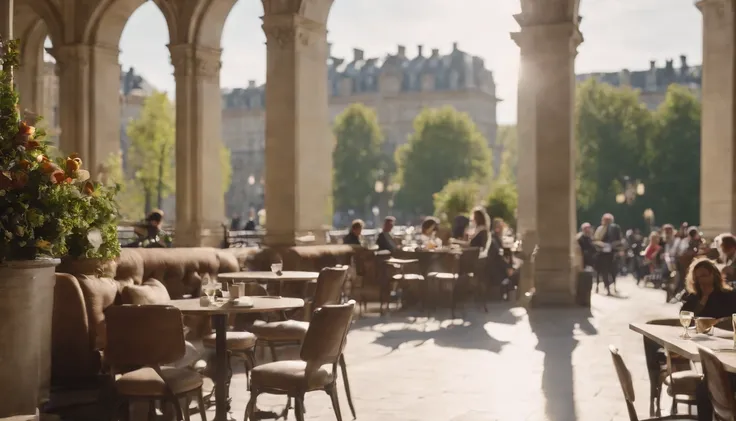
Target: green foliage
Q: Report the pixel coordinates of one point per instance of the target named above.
(49, 208)
(613, 128)
(509, 139)
(674, 158)
(130, 199)
(357, 158)
(458, 197)
(151, 152)
(446, 145)
(502, 203)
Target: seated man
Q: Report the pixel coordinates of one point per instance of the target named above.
(385, 241)
(353, 237)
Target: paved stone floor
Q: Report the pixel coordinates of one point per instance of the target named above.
(552, 364)
(506, 365)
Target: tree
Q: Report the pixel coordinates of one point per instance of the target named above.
(508, 138)
(458, 197)
(613, 129)
(674, 158)
(130, 200)
(152, 145)
(446, 145)
(502, 203)
(357, 158)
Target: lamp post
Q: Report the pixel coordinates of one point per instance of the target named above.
(379, 188)
(631, 190)
(649, 218)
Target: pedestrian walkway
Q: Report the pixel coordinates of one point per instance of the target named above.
(549, 365)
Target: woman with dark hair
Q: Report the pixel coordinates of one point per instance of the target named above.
(429, 233)
(481, 237)
(459, 227)
(709, 295)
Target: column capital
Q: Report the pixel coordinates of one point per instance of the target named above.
(315, 10)
(716, 13)
(548, 39)
(196, 60)
(289, 31)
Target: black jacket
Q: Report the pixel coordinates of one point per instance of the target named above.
(385, 242)
(719, 304)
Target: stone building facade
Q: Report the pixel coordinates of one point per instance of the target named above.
(652, 84)
(398, 86)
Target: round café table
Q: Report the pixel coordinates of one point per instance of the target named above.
(219, 313)
(268, 276)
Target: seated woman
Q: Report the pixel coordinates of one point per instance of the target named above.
(709, 295)
(481, 235)
(460, 227)
(653, 253)
(428, 238)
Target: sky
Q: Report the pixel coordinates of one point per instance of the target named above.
(618, 34)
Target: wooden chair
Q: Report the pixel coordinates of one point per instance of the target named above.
(321, 350)
(459, 274)
(627, 386)
(719, 386)
(668, 368)
(141, 341)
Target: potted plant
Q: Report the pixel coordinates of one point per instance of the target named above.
(49, 208)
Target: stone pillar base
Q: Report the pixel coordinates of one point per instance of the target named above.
(554, 288)
(188, 236)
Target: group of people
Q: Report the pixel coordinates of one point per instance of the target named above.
(475, 231)
(150, 233)
(599, 248)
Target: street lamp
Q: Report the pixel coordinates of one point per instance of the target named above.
(378, 187)
(632, 189)
(251, 180)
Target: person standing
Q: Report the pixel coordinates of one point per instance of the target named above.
(585, 241)
(607, 238)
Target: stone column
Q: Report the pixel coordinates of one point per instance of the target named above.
(200, 201)
(6, 19)
(30, 80)
(89, 104)
(547, 191)
(298, 138)
(718, 150)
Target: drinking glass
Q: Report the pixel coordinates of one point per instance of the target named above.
(686, 317)
(276, 268)
(208, 287)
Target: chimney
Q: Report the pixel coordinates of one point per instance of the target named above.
(669, 65)
(683, 61)
(652, 65)
(454, 46)
(420, 50)
(402, 51)
(357, 54)
(251, 83)
(435, 52)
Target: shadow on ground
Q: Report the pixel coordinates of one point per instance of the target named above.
(414, 328)
(555, 329)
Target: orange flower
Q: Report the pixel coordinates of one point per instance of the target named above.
(24, 164)
(20, 179)
(89, 188)
(57, 176)
(41, 159)
(48, 167)
(32, 144)
(26, 129)
(73, 164)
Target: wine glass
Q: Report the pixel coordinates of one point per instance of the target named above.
(686, 317)
(276, 268)
(208, 287)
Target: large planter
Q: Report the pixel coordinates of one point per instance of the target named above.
(26, 306)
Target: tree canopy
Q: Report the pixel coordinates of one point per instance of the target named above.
(446, 145)
(619, 137)
(152, 143)
(508, 138)
(458, 197)
(358, 159)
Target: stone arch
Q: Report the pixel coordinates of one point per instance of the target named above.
(47, 11)
(315, 10)
(108, 19)
(207, 22)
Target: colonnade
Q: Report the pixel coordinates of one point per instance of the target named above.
(298, 140)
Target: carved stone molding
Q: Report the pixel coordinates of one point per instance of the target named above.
(716, 13)
(292, 32)
(548, 40)
(190, 60)
(74, 56)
